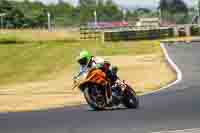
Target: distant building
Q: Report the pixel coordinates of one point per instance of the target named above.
(148, 22)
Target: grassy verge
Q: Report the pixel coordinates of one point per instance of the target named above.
(35, 61)
(37, 36)
(38, 75)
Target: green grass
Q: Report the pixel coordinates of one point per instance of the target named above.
(9, 39)
(30, 62)
(36, 36)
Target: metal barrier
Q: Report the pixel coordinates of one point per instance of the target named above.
(140, 34)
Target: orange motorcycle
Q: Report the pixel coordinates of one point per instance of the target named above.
(95, 86)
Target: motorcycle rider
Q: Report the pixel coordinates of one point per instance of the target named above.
(87, 61)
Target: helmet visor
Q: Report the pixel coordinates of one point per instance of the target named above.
(83, 61)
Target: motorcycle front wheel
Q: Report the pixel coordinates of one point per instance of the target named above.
(94, 97)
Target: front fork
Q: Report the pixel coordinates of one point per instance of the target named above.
(108, 94)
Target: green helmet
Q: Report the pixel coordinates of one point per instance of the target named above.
(84, 55)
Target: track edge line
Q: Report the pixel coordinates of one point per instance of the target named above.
(175, 69)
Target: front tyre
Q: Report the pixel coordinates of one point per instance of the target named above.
(130, 99)
(94, 99)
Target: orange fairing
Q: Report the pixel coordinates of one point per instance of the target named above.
(97, 76)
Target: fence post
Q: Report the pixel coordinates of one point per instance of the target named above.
(188, 31)
(102, 37)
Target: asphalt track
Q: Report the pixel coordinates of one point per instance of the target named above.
(175, 108)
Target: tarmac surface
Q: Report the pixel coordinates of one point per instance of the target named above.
(173, 110)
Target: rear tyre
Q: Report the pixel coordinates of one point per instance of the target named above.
(130, 99)
(94, 99)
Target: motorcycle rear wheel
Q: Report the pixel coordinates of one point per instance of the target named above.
(130, 99)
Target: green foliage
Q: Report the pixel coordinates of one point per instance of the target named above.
(174, 10)
(31, 14)
(34, 14)
(106, 11)
(195, 30)
(111, 12)
(87, 8)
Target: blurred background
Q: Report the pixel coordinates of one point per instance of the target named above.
(73, 13)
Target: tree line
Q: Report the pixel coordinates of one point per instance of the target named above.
(34, 13)
(169, 10)
(174, 10)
